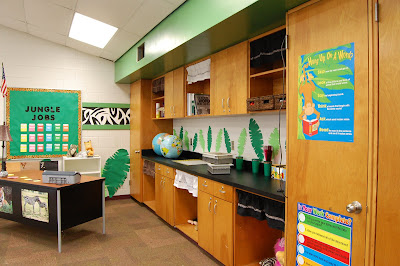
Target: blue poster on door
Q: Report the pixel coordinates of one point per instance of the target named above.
(326, 95)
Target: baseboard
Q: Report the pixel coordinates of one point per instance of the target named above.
(119, 197)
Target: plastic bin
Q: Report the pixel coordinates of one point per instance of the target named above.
(218, 158)
(219, 169)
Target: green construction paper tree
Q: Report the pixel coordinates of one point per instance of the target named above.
(209, 139)
(174, 132)
(194, 141)
(181, 133)
(256, 138)
(115, 170)
(218, 141)
(201, 139)
(227, 141)
(274, 141)
(242, 142)
(186, 140)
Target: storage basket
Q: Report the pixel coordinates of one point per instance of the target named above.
(278, 99)
(252, 104)
(218, 158)
(260, 103)
(219, 169)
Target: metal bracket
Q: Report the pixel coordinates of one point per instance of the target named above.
(376, 12)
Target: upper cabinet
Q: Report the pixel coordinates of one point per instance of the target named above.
(229, 80)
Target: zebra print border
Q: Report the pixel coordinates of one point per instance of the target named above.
(105, 116)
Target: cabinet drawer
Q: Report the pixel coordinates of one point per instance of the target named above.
(169, 172)
(223, 191)
(159, 169)
(206, 185)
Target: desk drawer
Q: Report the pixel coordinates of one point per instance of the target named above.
(159, 169)
(206, 185)
(169, 172)
(223, 191)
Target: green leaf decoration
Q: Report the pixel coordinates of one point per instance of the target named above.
(242, 142)
(274, 141)
(181, 133)
(256, 138)
(320, 96)
(227, 141)
(115, 170)
(218, 141)
(175, 132)
(209, 138)
(194, 141)
(202, 142)
(186, 140)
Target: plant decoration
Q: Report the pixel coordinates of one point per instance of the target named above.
(274, 141)
(256, 139)
(174, 132)
(227, 141)
(115, 171)
(209, 139)
(181, 133)
(186, 140)
(218, 141)
(194, 141)
(242, 142)
(201, 139)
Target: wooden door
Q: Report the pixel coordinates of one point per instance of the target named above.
(388, 214)
(169, 200)
(223, 231)
(159, 195)
(218, 95)
(135, 130)
(179, 93)
(169, 94)
(327, 174)
(205, 218)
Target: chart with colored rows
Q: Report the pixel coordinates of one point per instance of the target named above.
(44, 137)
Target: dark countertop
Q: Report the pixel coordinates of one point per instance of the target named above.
(245, 179)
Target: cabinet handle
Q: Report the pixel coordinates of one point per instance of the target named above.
(215, 207)
(173, 109)
(222, 191)
(227, 103)
(170, 109)
(209, 206)
(205, 184)
(160, 182)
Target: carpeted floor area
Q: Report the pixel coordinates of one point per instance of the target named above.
(134, 236)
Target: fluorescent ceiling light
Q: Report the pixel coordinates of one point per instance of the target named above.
(91, 31)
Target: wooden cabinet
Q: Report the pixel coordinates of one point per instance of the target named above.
(215, 217)
(142, 131)
(229, 79)
(164, 191)
(174, 94)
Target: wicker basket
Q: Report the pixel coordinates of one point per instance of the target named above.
(260, 103)
(278, 99)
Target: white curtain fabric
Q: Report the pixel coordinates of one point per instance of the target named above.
(186, 181)
(199, 71)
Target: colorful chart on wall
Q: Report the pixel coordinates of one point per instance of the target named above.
(6, 204)
(35, 204)
(43, 123)
(105, 116)
(326, 95)
(323, 237)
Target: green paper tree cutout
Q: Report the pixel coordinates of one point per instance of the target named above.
(227, 141)
(274, 141)
(174, 132)
(201, 139)
(209, 139)
(115, 171)
(186, 140)
(181, 133)
(218, 141)
(194, 141)
(256, 138)
(242, 142)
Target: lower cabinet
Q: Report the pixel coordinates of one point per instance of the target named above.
(215, 217)
(164, 190)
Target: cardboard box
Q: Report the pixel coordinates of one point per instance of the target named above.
(278, 172)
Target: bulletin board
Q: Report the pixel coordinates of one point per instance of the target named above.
(43, 122)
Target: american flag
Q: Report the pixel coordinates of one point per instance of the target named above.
(3, 83)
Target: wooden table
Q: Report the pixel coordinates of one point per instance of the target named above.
(67, 205)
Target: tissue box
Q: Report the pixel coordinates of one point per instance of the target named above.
(278, 172)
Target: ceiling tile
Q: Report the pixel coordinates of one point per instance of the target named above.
(115, 13)
(50, 36)
(70, 4)
(48, 16)
(150, 13)
(13, 9)
(13, 23)
(83, 47)
(121, 42)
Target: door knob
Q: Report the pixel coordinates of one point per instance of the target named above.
(354, 207)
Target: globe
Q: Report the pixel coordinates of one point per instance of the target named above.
(171, 147)
(157, 141)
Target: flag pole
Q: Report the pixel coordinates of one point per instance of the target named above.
(4, 121)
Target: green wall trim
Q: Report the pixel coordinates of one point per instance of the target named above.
(105, 127)
(110, 105)
(199, 28)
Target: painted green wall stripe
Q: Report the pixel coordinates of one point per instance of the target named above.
(110, 105)
(330, 227)
(105, 127)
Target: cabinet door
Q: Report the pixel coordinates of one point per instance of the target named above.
(136, 176)
(169, 200)
(223, 231)
(169, 94)
(135, 128)
(159, 195)
(178, 108)
(229, 80)
(205, 216)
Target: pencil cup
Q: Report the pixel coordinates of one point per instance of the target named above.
(255, 165)
(267, 169)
